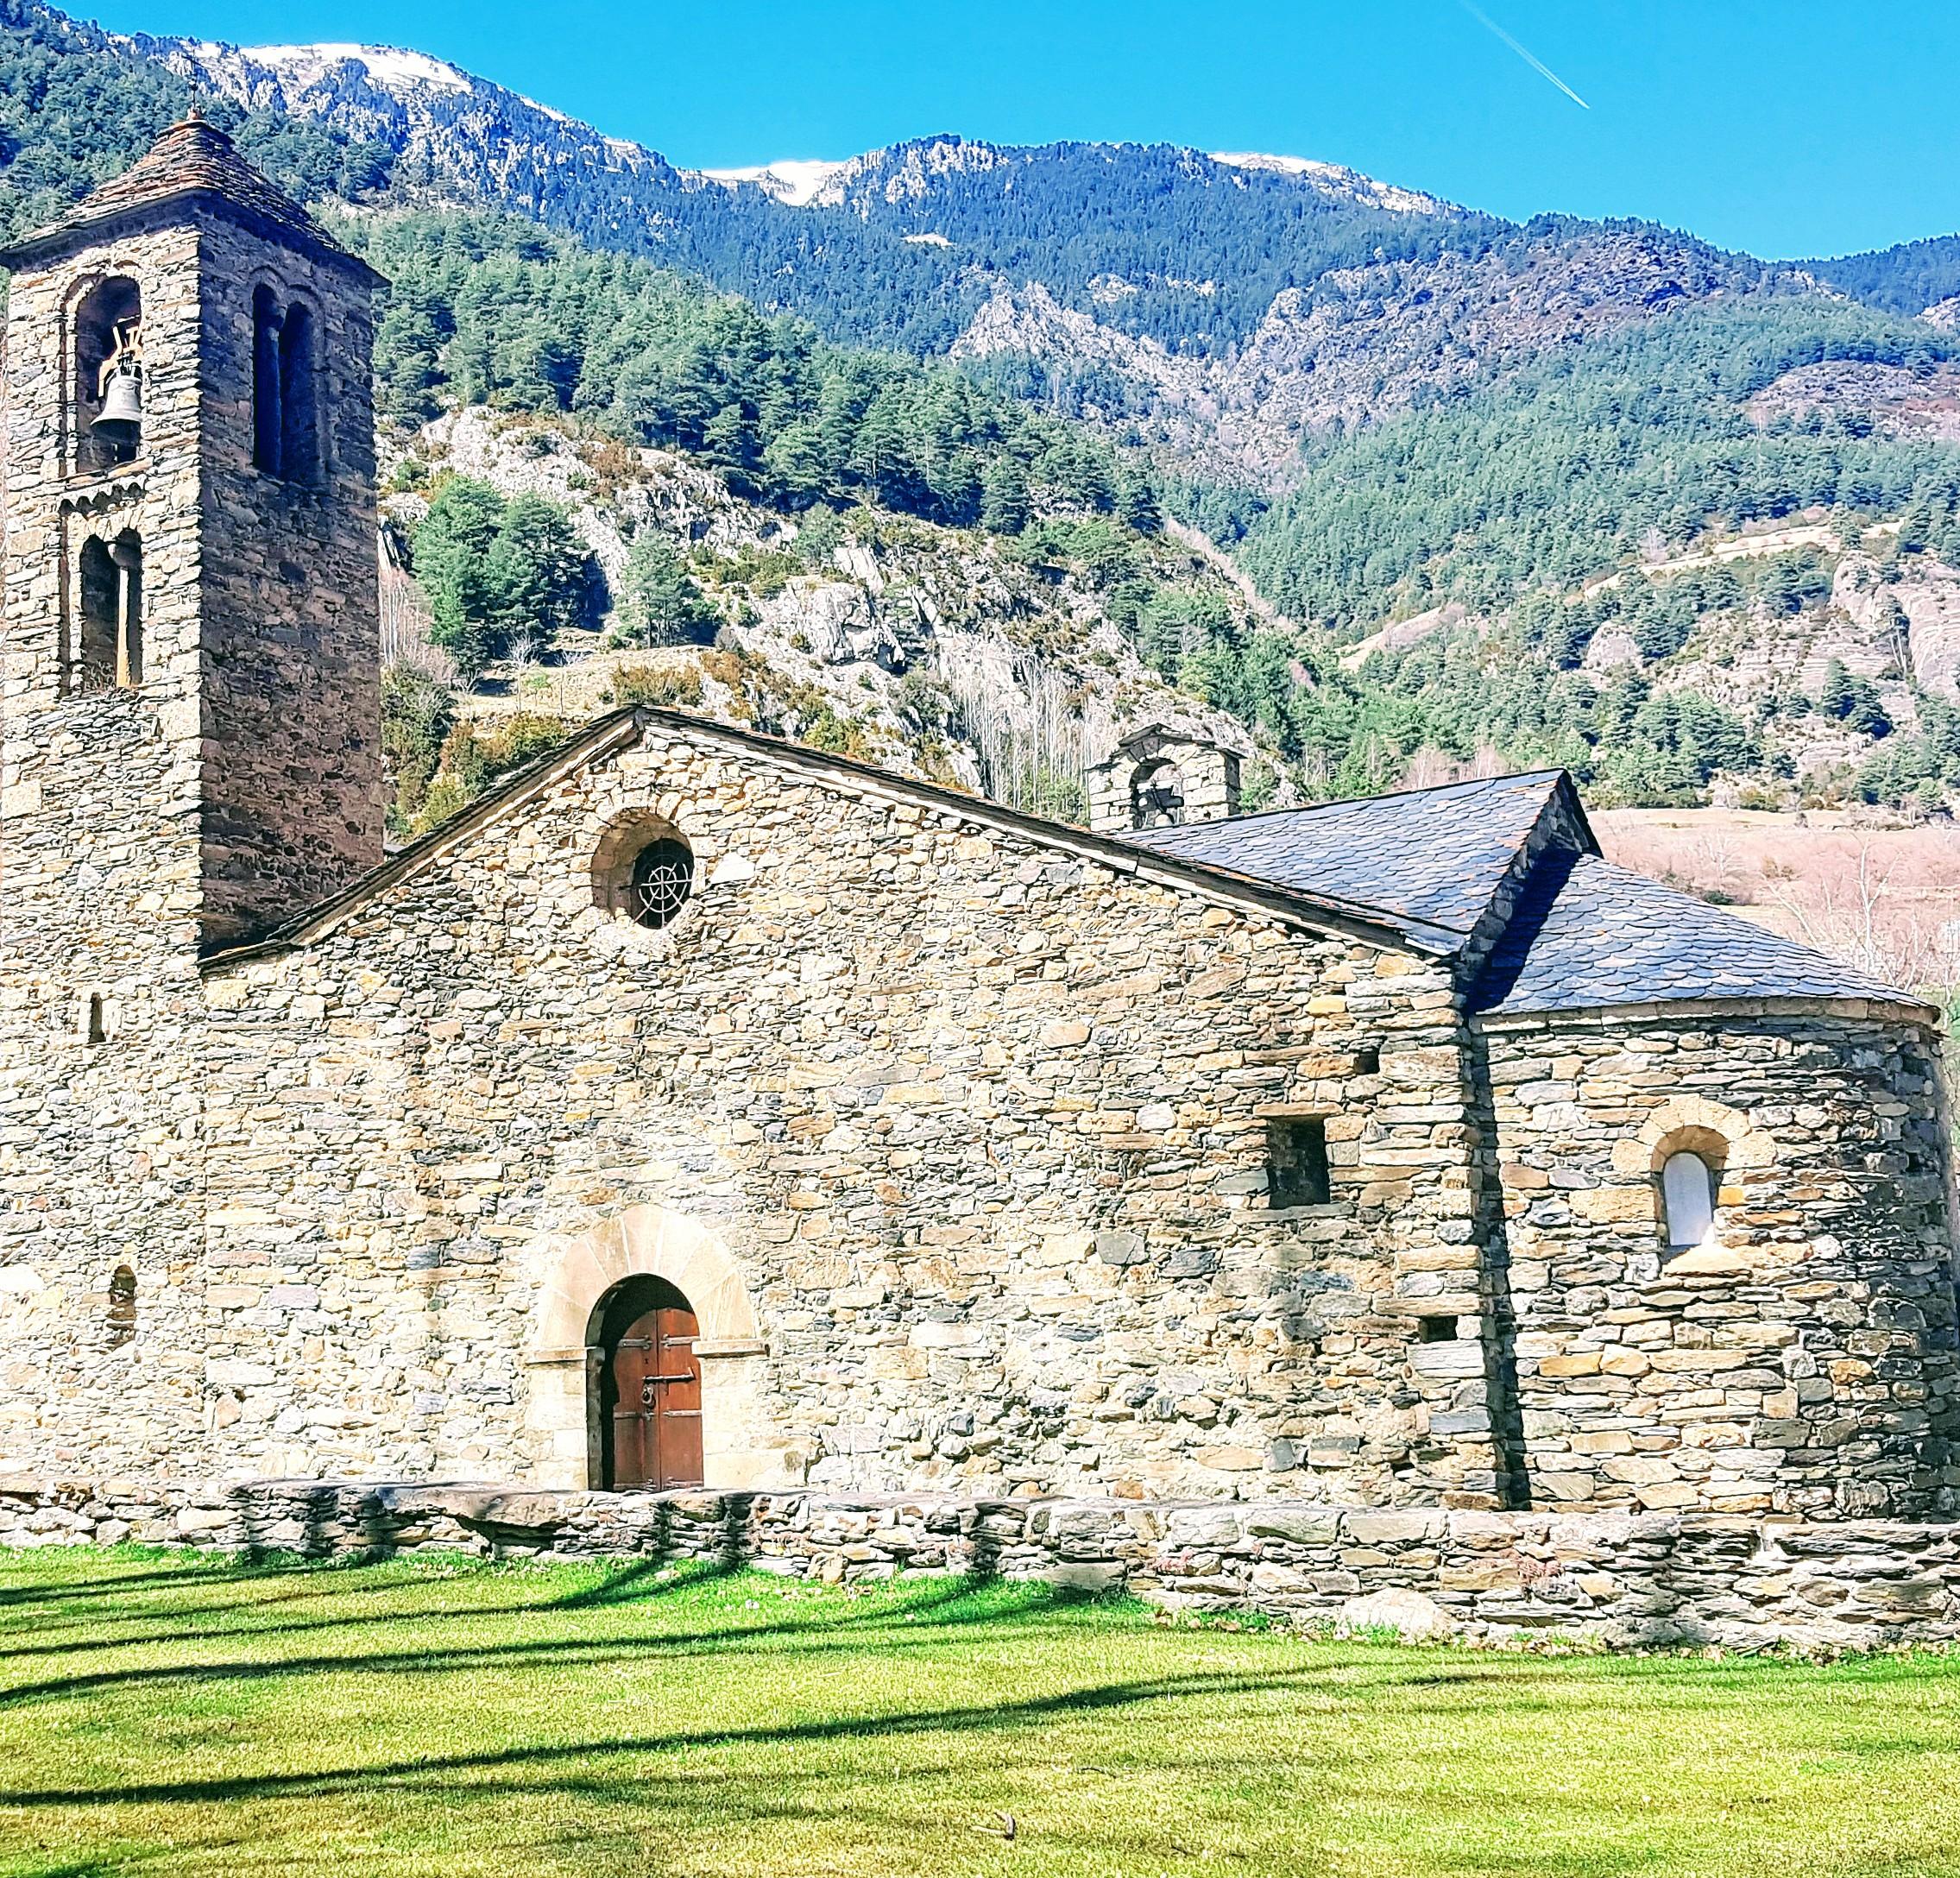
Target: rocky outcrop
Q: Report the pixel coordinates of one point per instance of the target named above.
(455, 135)
(946, 654)
(1357, 345)
(1900, 401)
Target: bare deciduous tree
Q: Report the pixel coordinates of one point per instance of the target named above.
(1028, 740)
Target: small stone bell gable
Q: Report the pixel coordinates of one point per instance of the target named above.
(1160, 777)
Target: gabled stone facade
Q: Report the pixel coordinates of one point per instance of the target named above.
(1310, 1157)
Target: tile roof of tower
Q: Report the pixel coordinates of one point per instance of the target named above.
(192, 159)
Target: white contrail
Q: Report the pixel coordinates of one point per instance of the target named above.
(1536, 64)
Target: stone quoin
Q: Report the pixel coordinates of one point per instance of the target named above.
(697, 1110)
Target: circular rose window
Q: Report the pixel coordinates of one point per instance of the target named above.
(662, 879)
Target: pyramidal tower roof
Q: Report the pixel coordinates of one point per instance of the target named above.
(193, 162)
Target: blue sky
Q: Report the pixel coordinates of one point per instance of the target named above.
(1786, 127)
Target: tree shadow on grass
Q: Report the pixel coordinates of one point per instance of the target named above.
(198, 1568)
(817, 1629)
(302, 1581)
(441, 1770)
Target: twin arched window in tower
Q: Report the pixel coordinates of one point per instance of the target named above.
(108, 380)
(285, 387)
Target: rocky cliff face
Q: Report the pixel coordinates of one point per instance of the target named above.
(935, 651)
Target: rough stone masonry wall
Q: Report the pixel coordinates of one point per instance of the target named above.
(1625, 1580)
(99, 866)
(292, 798)
(979, 1125)
(1805, 1361)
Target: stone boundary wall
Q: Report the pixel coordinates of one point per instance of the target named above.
(1620, 1581)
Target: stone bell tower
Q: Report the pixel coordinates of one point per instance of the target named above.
(190, 714)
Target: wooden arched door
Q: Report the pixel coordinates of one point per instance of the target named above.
(655, 1395)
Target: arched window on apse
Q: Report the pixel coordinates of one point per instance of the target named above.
(1687, 1201)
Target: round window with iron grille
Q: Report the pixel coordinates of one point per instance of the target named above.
(663, 877)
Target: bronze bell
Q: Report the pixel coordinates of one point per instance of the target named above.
(121, 418)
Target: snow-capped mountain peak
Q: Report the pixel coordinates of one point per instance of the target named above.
(386, 66)
(1335, 179)
(796, 181)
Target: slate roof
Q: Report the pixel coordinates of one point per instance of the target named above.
(1586, 933)
(191, 158)
(1583, 933)
(1434, 855)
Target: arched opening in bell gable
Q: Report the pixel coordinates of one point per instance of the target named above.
(1157, 795)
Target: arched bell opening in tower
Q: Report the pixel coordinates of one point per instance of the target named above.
(108, 375)
(121, 418)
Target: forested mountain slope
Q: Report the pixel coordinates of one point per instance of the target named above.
(1221, 305)
(1480, 467)
(1906, 278)
(1809, 662)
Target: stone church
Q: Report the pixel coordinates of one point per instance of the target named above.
(696, 1108)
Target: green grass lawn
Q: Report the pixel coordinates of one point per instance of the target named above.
(167, 1714)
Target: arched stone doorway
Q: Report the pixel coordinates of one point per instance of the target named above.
(644, 1387)
(579, 1278)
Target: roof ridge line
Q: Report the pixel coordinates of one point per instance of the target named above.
(1375, 925)
(1387, 795)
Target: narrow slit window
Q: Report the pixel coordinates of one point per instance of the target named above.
(121, 1313)
(1687, 1201)
(98, 1027)
(1296, 1162)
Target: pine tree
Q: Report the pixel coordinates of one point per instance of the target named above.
(1005, 509)
(659, 603)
